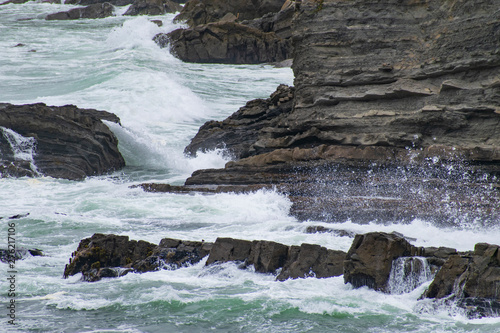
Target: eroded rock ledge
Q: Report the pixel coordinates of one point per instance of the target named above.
(381, 261)
(67, 142)
(394, 116)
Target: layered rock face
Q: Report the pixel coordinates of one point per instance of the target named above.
(69, 142)
(395, 115)
(197, 12)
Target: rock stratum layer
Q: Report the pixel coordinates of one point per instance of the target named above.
(395, 115)
(67, 142)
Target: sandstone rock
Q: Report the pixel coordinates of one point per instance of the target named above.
(197, 12)
(152, 7)
(105, 251)
(99, 10)
(369, 260)
(225, 42)
(71, 143)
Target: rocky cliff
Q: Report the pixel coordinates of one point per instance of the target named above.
(395, 115)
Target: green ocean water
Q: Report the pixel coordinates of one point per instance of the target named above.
(112, 64)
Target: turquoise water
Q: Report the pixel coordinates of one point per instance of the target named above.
(112, 64)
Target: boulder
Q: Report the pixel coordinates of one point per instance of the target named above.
(197, 12)
(369, 260)
(113, 256)
(225, 42)
(99, 10)
(286, 262)
(309, 260)
(152, 7)
(92, 2)
(68, 142)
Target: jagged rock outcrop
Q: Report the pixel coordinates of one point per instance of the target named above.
(471, 280)
(240, 131)
(197, 12)
(395, 116)
(94, 11)
(152, 7)
(225, 42)
(68, 142)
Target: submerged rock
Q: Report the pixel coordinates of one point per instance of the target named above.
(67, 142)
(99, 10)
(10, 255)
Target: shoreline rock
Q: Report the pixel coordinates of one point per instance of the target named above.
(384, 262)
(69, 142)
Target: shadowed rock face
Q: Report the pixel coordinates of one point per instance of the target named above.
(395, 115)
(70, 143)
(226, 42)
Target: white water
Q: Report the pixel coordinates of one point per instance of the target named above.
(112, 64)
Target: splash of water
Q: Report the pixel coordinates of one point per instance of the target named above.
(407, 273)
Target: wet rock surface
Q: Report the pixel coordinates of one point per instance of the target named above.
(69, 143)
(94, 11)
(395, 116)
